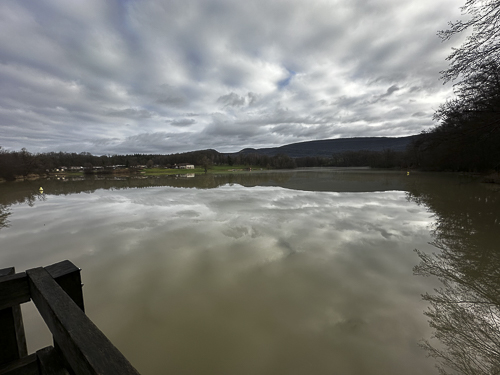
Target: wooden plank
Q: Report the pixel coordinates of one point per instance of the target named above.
(67, 275)
(24, 366)
(7, 271)
(61, 268)
(12, 337)
(21, 336)
(50, 363)
(85, 347)
(14, 290)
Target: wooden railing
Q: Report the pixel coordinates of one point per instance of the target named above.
(79, 346)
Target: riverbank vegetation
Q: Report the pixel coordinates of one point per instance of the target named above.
(467, 137)
(421, 154)
(16, 164)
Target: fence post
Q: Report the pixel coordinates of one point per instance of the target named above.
(12, 337)
(68, 276)
(84, 346)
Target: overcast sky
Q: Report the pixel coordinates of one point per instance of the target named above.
(166, 76)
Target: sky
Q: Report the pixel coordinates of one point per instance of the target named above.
(168, 76)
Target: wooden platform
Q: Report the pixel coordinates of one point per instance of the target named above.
(79, 346)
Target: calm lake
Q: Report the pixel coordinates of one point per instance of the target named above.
(288, 272)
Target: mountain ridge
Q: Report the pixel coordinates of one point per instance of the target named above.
(327, 147)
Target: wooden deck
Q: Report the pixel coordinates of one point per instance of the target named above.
(79, 346)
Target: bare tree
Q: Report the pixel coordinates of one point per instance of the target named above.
(481, 46)
(206, 163)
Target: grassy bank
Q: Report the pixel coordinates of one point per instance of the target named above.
(213, 169)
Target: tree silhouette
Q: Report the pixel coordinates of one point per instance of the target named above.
(481, 46)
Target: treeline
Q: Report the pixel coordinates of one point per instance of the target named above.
(468, 135)
(23, 163)
(459, 143)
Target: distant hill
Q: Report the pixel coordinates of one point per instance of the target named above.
(327, 147)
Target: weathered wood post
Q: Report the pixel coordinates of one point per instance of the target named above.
(12, 337)
(68, 276)
(79, 346)
(85, 348)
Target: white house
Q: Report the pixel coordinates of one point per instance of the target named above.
(185, 166)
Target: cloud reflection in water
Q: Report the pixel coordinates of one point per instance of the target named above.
(260, 280)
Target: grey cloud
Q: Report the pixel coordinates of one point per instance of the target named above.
(419, 114)
(232, 100)
(69, 69)
(129, 113)
(389, 92)
(392, 89)
(169, 96)
(348, 101)
(389, 78)
(252, 98)
(158, 142)
(182, 122)
(104, 142)
(303, 131)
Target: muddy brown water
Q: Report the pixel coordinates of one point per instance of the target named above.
(289, 272)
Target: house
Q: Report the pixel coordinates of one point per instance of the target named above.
(185, 166)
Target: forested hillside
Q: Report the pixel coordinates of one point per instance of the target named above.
(328, 147)
(23, 163)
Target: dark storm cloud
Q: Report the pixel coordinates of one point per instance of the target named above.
(130, 76)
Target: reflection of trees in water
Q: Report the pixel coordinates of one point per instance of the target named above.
(4, 215)
(465, 311)
(27, 192)
(211, 181)
(465, 315)
(30, 198)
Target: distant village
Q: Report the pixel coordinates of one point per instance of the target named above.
(99, 168)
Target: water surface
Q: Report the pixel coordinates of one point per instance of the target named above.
(303, 272)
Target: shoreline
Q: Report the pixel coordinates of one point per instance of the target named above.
(486, 177)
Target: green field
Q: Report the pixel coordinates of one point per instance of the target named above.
(163, 171)
(213, 169)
